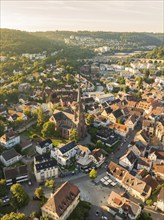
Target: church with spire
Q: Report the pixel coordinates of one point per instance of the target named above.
(71, 118)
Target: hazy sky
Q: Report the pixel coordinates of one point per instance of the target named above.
(110, 15)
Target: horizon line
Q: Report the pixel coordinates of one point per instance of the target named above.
(81, 31)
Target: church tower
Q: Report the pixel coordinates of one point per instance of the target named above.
(80, 116)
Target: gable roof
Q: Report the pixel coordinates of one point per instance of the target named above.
(135, 183)
(130, 156)
(45, 143)
(108, 110)
(117, 113)
(9, 154)
(96, 153)
(67, 147)
(116, 170)
(161, 194)
(151, 181)
(158, 153)
(62, 198)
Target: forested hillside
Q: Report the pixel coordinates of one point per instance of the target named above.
(17, 42)
(156, 53)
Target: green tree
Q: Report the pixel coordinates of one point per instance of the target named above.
(19, 196)
(48, 129)
(50, 184)
(14, 216)
(68, 77)
(90, 119)
(2, 128)
(39, 193)
(126, 89)
(144, 216)
(146, 74)
(93, 174)
(40, 117)
(74, 135)
(120, 120)
(3, 188)
(139, 81)
(99, 144)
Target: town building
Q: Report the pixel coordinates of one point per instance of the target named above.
(9, 139)
(44, 146)
(10, 157)
(121, 207)
(64, 153)
(128, 160)
(160, 200)
(14, 175)
(45, 167)
(61, 204)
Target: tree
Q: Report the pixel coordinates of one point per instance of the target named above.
(126, 89)
(19, 196)
(144, 216)
(120, 120)
(99, 144)
(48, 129)
(50, 184)
(3, 188)
(40, 116)
(74, 135)
(2, 128)
(90, 119)
(139, 81)
(93, 174)
(68, 77)
(14, 216)
(146, 74)
(39, 193)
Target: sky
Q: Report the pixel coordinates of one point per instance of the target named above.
(99, 15)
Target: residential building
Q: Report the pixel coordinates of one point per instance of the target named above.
(158, 169)
(116, 171)
(148, 126)
(121, 129)
(144, 163)
(159, 131)
(65, 153)
(151, 181)
(142, 138)
(160, 200)
(146, 106)
(133, 185)
(136, 187)
(83, 159)
(9, 139)
(156, 156)
(14, 175)
(128, 160)
(44, 146)
(138, 150)
(45, 167)
(61, 204)
(98, 157)
(121, 207)
(132, 121)
(10, 157)
(115, 115)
